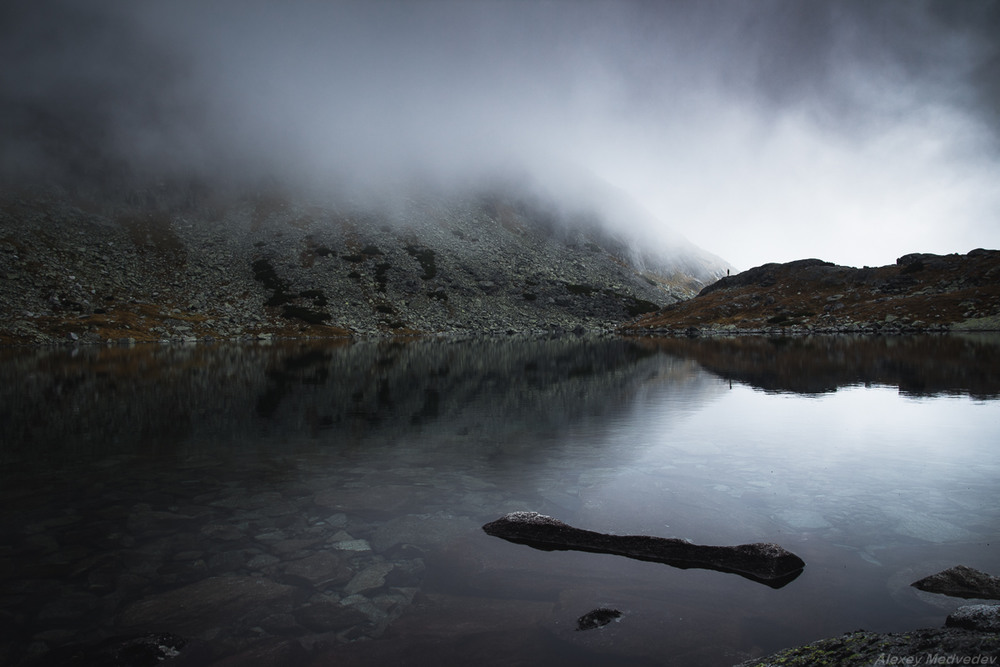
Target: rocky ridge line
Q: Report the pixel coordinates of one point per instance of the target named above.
(920, 293)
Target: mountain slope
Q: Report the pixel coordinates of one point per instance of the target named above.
(921, 292)
(175, 262)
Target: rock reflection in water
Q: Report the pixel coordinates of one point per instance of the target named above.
(95, 401)
(967, 364)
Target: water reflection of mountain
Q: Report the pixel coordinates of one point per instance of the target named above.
(62, 405)
(918, 365)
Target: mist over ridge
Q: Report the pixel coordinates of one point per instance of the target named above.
(764, 131)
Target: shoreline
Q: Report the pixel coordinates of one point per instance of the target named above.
(711, 333)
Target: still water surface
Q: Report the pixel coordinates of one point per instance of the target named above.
(322, 504)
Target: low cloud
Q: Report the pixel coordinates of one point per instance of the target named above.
(763, 131)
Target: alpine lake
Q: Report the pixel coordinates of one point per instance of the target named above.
(322, 503)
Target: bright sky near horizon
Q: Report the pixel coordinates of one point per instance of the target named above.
(765, 130)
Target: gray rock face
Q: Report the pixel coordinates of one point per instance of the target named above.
(961, 582)
(271, 265)
(768, 564)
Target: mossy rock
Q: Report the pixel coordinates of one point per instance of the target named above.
(861, 649)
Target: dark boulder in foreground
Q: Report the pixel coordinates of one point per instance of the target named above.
(945, 646)
(765, 563)
(981, 617)
(961, 582)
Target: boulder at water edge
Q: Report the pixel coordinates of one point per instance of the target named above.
(961, 582)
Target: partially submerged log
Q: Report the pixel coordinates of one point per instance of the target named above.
(768, 564)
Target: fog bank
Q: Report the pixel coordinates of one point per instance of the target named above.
(762, 131)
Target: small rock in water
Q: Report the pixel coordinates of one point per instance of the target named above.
(369, 578)
(325, 615)
(261, 561)
(320, 569)
(353, 545)
(597, 618)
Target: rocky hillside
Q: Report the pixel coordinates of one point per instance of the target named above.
(921, 292)
(179, 263)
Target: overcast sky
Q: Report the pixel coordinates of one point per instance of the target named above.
(762, 130)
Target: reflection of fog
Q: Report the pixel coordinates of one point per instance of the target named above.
(511, 394)
(862, 466)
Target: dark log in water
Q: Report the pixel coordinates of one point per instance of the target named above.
(768, 564)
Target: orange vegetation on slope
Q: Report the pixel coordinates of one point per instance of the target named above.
(922, 292)
(144, 322)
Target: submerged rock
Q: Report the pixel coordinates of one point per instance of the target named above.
(135, 651)
(320, 569)
(768, 564)
(961, 582)
(597, 618)
(322, 614)
(193, 609)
